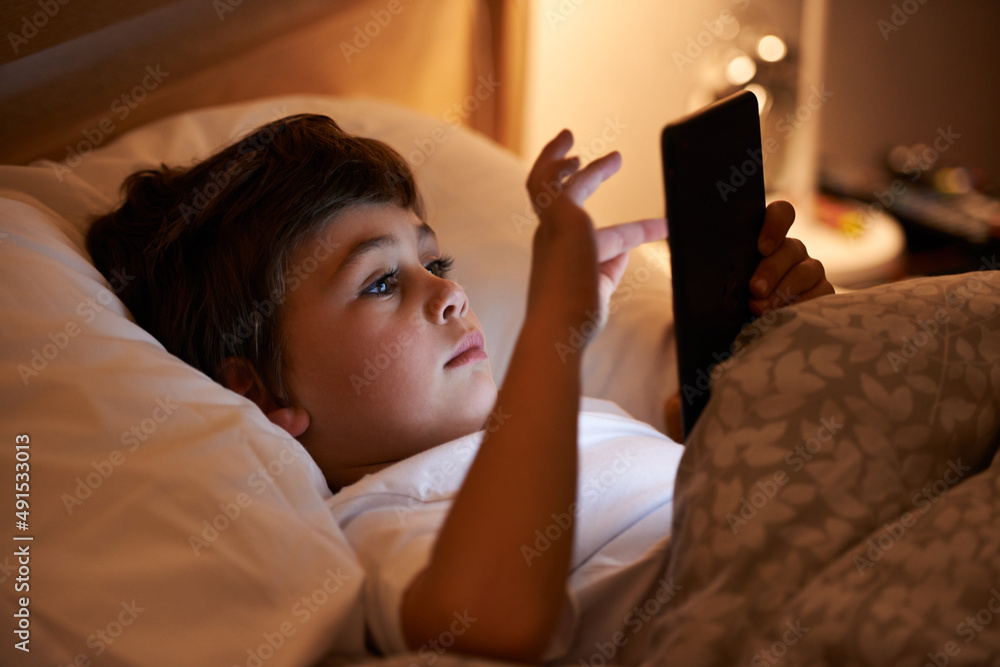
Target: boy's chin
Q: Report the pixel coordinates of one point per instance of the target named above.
(482, 414)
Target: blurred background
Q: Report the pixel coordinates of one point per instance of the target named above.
(879, 117)
(891, 104)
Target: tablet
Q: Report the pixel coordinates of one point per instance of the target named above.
(714, 180)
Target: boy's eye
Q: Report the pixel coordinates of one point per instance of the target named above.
(384, 284)
(387, 283)
(441, 266)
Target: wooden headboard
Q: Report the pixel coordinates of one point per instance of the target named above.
(75, 73)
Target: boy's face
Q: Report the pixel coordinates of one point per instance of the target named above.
(381, 350)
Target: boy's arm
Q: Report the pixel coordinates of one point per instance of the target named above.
(526, 470)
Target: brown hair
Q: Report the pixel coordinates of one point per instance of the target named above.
(210, 246)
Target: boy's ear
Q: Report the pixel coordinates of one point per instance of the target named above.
(240, 376)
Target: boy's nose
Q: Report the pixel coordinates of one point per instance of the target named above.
(449, 301)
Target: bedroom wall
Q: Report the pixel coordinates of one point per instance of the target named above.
(68, 81)
(615, 73)
(608, 69)
(899, 76)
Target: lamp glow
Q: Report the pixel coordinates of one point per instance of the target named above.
(771, 48)
(740, 69)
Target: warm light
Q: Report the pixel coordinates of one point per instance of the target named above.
(953, 181)
(763, 98)
(740, 69)
(771, 48)
(729, 30)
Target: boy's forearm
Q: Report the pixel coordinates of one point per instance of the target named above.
(524, 474)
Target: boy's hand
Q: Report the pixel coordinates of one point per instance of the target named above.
(787, 274)
(563, 289)
(576, 268)
(613, 245)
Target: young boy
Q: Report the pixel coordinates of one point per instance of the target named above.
(214, 248)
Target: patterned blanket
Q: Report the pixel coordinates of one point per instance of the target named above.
(836, 503)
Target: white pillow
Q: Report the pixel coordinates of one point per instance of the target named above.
(134, 456)
(145, 495)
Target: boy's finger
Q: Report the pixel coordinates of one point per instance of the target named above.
(613, 269)
(566, 167)
(585, 182)
(615, 240)
(552, 152)
(806, 280)
(778, 218)
(557, 147)
(773, 268)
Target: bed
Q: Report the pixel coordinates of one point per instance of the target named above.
(835, 505)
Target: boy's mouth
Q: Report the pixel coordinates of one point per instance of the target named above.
(469, 350)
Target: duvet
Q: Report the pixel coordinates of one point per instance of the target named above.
(836, 503)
